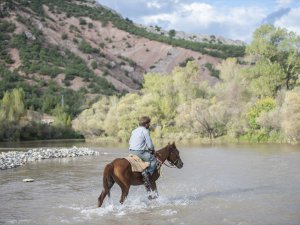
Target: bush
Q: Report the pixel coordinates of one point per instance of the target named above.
(82, 21)
(39, 131)
(94, 65)
(213, 71)
(262, 105)
(64, 36)
(86, 48)
(183, 64)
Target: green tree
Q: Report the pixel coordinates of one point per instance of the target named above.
(91, 121)
(265, 78)
(185, 81)
(172, 33)
(111, 120)
(12, 106)
(61, 117)
(164, 93)
(278, 46)
(121, 117)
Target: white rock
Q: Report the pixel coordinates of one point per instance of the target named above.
(28, 180)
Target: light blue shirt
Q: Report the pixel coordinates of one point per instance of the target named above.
(140, 139)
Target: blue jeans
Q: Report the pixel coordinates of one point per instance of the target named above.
(147, 157)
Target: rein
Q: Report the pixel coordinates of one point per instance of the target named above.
(171, 164)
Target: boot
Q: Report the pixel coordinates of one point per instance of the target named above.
(146, 180)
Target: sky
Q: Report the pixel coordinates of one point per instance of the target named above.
(233, 19)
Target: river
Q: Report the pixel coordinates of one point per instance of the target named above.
(220, 184)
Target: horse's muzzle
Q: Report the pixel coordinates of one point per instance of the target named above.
(179, 164)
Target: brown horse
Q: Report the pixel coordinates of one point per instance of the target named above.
(120, 171)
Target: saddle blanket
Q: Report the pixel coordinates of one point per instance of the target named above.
(137, 165)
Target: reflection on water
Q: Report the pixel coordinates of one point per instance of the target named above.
(24, 145)
(241, 184)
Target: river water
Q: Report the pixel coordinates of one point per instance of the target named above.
(240, 184)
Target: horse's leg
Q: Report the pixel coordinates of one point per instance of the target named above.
(124, 185)
(154, 191)
(125, 191)
(105, 192)
(101, 198)
(108, 182)
(124, 182)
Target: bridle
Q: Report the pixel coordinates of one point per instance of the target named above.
(171, 164)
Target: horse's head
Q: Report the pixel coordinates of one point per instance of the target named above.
(174, 157)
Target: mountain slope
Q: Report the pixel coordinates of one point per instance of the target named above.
(80, 49)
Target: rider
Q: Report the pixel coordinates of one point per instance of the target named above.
(140, 144)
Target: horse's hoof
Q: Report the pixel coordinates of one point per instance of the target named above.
(152, 197)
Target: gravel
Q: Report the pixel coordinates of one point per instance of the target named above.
(14, 159)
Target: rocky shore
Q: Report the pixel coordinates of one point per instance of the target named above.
(13, 159)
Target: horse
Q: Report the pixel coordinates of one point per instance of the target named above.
(119, 171)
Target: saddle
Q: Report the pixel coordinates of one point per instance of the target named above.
(137, 164)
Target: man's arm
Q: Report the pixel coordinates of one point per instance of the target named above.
(148, 140)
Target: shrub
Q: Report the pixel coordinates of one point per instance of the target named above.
(262, 105)
(64, 36)
(82, 21)
(94, 65)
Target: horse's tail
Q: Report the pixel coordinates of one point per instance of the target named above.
(107, 178)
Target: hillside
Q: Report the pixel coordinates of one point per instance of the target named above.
(80, 50)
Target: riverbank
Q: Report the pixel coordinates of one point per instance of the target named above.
(14, 159)
(194, 140)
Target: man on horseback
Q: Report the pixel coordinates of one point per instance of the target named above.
(140, 144)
